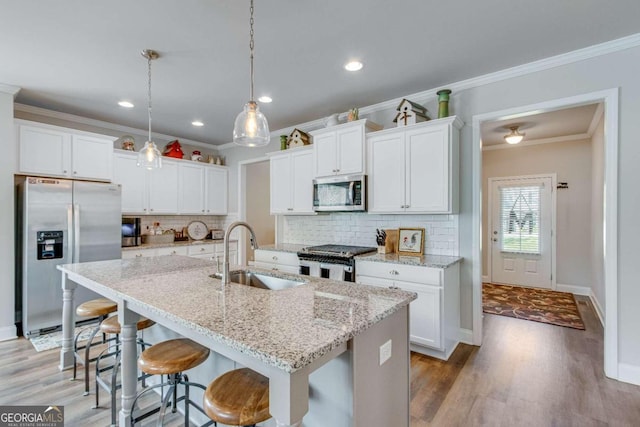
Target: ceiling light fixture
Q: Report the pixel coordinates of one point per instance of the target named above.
(353, 66)
(197, 123)
(514, 136)
(125, 104)
(149, 157)
(251, 128)
(265, 99)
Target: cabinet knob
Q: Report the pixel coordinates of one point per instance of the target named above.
(274, 269)
(201, 249)
(202, 210)
(208, 210)
(393, 287)
(75, 172)
(64, 171)
(406, 206)
(138, 255)
(145, 209)
(394, 272)
(289, 209)
(275, 258)
(151, 209)
(173, 253)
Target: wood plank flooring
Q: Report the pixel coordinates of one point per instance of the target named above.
(525, 374)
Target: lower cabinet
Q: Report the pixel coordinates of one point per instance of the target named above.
(210, 251)
(287, 262)
(434, 317)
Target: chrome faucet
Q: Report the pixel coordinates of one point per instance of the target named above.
(254, 245)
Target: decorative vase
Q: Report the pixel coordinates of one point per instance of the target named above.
(443, 103)
(283, 142)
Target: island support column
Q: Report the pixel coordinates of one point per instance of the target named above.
(129, 369)
(67, 358)
(289, 396)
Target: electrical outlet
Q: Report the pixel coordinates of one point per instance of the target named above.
(385, 352)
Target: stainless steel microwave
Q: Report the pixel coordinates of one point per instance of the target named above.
(340, 193)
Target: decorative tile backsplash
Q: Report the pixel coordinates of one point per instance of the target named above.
(360, 229)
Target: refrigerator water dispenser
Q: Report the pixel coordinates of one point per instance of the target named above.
(49, 244)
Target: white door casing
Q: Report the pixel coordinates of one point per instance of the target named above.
(521, 230)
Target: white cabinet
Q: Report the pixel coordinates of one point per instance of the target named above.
(291, 182)
(286, 262)
(434, 317)
(414, 169)
(132, 180)
(55, 151)
(340, 150)
(208, 251)
(162, 188)
(202, 188)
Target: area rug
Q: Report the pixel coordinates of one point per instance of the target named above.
(54, 339)
(538, 305)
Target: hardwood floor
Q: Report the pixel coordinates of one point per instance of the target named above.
(525, 374)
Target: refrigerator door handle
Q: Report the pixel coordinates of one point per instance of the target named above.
(70, 234)
(76, 233)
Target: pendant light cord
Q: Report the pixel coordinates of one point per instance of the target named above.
(251, 45)
(149, 92)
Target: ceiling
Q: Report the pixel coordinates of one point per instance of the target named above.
(82, 57)
(550, 126)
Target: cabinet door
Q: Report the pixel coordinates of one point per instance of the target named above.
(163, 188)
(44, 151)
(132, 179)
(427, 168)
(281, 175)
(350, 151)
(325, 149)
(424, 315)
(191, 188)
(302, 183)
(386, 173)
(91, 157)
(216, 190)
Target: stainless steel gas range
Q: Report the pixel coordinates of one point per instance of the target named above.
(335, 262)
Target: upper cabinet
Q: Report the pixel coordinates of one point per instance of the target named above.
(178, 187)
(340, 150)
(292, 173)
(61, 152)
(414, 169)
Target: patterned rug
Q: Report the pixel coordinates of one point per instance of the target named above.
(538, 305)
(54, 339)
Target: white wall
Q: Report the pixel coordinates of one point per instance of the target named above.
(597, 216)
(7, 237)
(571, 161)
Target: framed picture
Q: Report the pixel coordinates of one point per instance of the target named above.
(411, 241)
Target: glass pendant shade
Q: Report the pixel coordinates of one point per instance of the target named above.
(514, 137)
(149, 157)
(251, 128)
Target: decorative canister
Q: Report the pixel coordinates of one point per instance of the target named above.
(443, 103)
(283, 142)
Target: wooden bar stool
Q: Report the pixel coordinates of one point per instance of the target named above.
(99, 308)
(111, 326)
(171, 358)
(238, 398)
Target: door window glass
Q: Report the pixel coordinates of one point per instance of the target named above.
(520, 219)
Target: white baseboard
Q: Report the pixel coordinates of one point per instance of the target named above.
(629, 373)
(465, 336)
(598, 307)
(577, 290)
(8, 333)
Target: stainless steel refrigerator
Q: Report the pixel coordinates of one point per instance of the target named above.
(60, 222)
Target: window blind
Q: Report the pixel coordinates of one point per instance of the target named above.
(520, 218)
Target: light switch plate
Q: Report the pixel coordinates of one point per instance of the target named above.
(385, 352)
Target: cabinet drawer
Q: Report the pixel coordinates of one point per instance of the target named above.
(138, 253)
(277, 257)
(405, 273)
(172, 250)
(207, 249)
(277, 267)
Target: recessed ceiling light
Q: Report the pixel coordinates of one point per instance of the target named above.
(125, 104)
(353, 66)
(197, 123)
(265, 99)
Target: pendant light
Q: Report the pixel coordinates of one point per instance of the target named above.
(514, 136)
(149, 157)
(251, 128)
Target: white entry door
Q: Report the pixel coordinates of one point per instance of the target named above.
(521, 233)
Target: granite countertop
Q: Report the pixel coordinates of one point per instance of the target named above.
(433, 261)
(176, 243)
(283, 247)
(288, 329)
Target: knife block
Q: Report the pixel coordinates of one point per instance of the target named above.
(390, 243)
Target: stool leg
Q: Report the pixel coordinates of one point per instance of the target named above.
(165, 402)
(114, 379)
(86, 359)
(186, 400)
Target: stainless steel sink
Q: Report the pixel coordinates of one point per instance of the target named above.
(262, 281)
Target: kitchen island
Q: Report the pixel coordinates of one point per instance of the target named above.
(285, 335)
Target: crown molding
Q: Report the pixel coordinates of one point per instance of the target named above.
(509, 73)
(565, 138)
(107, 125)
(9, 89)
